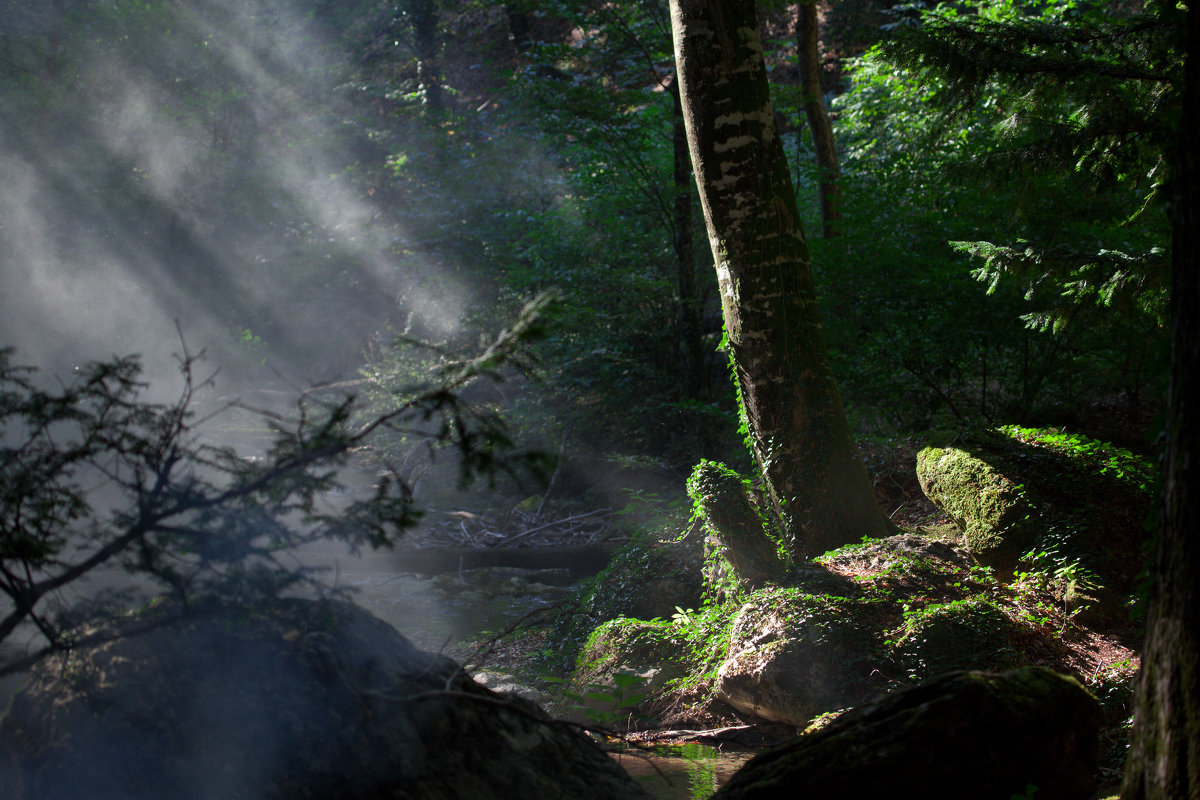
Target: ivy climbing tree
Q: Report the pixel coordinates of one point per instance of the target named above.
(796, 423)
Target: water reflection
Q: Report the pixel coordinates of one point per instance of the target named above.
(682, 772)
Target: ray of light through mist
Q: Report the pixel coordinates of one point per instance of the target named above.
(200, 171)
(202, 177)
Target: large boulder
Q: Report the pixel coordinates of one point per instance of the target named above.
(998, 522)
(621, 670)
(648, 578)
(1072, 503)
(794, 655)
(964, 734)
(304, 700)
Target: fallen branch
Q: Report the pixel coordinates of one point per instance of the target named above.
(523, 534)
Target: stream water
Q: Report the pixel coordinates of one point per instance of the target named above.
(682, 772)
(436, 610)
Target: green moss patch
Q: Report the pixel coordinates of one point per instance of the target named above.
(964, 634)
(1024, 495)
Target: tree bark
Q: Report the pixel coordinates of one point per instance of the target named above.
(424, 24)
(1164, 759)
(828, 172)
(685, 258)
(734, 525)
(793, 413)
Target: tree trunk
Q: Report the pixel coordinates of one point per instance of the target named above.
(828, 172)
(1164, 760)
(685, 259)
(795, 419)
(735, 527)
(424, 23)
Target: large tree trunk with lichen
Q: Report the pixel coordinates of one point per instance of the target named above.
(1164, 760)
(798, 429)
(829, 173)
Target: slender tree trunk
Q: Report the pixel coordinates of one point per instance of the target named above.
(424, 23)
(685, 258)
(797, 425)
(1164, 760)
(828, 171)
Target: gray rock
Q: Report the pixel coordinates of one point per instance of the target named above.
(793, 656)
(503, 684)
(305, 700)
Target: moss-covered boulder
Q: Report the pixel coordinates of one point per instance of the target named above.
(964, 634)
(1075, 506)
(997, 521)
(739, 555)
(964, 734)
(793, 655)
(646, 579)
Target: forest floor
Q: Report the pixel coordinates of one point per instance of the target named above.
(1104, 660)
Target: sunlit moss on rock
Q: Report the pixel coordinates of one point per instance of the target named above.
(990, 508)
(1023, 495)
(964, 634)
(647, 578)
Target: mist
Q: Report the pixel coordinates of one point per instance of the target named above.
(210, 178)
(201, 176)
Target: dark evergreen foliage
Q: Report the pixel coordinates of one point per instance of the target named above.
(1083, 93)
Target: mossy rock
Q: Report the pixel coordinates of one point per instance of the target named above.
(794, 655)
(646, 579)
(964, 734)
(903, 566)
(624, 665)
(965, 634)
(1017, 491)
(813, 578)
(624, 644)
(998, 523)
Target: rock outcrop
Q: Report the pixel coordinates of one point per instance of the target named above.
(304, 700)
(1068, 499)
(648, 578)
(981, 735)
(793, 656)
(964, 634)
(625, 663)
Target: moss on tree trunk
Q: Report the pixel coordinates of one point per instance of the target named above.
(798, 429)
(735, 523)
